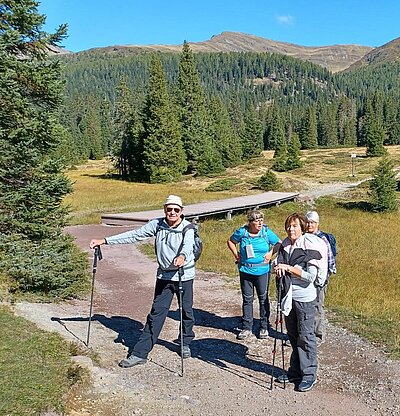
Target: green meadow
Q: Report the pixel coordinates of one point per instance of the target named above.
(364, 294)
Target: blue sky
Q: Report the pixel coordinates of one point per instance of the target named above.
(97, 23)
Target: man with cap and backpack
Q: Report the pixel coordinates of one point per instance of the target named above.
(174, 244)
(312, 218)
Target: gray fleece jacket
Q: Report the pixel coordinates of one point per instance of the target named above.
(169, 244)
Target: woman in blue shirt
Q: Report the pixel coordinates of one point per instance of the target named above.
(257, 243)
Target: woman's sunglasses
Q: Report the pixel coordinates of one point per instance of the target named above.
(173, 209)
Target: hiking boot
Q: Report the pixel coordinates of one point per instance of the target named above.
(243, 334)
(264, 333)
(131, 360)
(306, 385)
(284, 378)
(186, 353)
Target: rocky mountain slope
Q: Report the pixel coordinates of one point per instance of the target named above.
(389, 52)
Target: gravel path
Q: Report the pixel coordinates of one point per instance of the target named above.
(225, 376)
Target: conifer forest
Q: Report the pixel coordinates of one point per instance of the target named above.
(160, 115)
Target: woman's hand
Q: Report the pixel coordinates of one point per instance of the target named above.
(281, 268)
(237, 258)
(268, 256)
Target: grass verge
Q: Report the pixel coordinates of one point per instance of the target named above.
(35, 368)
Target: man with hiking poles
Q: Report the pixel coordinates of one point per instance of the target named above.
(174, 241)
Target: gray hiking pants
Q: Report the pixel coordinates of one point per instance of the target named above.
(320, 312)
(300, 325)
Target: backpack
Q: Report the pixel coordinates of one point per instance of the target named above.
(198, 243)
(315, 241)
(332, 242)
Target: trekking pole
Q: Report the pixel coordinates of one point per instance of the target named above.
(180, 291)
(97, 256)
(278, 321)
(281, 323)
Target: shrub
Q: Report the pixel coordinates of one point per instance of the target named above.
(51, 267)
(280, 164)
(268, 182)
(223, 185)
(383, 187)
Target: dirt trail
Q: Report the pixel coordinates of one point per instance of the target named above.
(225, 376)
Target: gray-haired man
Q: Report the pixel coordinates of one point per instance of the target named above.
(312, 218)
(174, 250)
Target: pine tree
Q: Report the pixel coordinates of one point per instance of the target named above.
(383, 187)
(32, 183)
(163, 155)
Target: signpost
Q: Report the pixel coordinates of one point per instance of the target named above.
(353, 161)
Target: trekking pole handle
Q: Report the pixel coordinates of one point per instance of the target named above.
(97, 256)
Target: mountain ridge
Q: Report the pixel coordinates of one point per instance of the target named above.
(336, 58)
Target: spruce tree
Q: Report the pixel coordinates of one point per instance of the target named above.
(224, 136)
(346, 118)
(327, 126)
(277, 136)
(251, 134)
(383, 187)
(202, 156)
(163, 155)
(308, 136)
(293, 154)
(374, 133)
(33, 250)
(127, 148)
(269, 181)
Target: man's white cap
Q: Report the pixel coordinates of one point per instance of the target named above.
(312, 216)
(174, 200)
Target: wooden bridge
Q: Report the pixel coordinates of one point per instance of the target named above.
(205, 209)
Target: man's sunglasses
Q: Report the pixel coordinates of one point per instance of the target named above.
(173, 209)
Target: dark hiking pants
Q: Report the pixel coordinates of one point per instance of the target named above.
(163, 295)
(248, 283)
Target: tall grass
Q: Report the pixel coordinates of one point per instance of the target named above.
(95, 193)
(365, 291)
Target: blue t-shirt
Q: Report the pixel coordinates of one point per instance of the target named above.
(261, 244)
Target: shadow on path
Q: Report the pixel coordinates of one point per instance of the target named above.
(128, 330)
(224, 354)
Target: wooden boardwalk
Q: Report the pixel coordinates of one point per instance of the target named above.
(205, 209)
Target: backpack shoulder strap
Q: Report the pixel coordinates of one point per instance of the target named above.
(188, 227)
(160, 221)
(264, 233)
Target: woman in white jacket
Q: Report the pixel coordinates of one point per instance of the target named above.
(302, 259)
